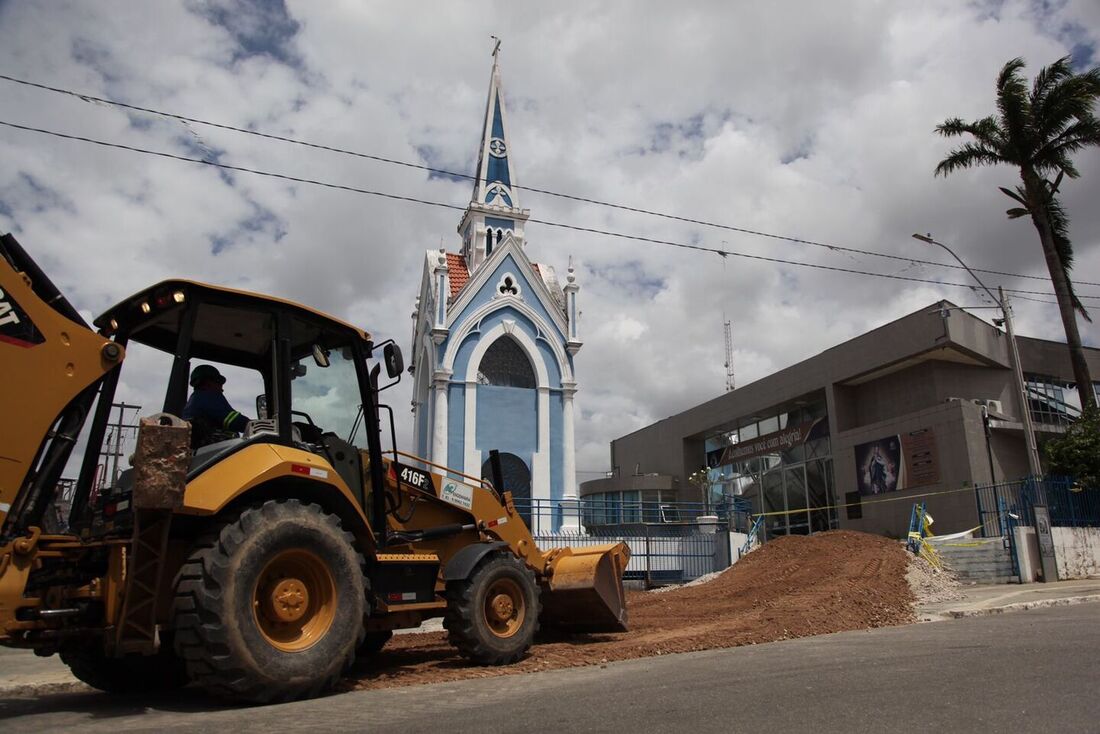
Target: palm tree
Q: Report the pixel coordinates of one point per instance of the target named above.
(1037, 131)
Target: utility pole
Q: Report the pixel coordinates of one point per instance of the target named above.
(1033, 463)
(729, 357)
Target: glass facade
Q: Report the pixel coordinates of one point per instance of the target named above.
(614, 508)
(782, 463)
(1054, 401)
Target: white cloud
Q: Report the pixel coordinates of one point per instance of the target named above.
(811, 120)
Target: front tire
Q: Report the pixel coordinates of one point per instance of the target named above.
(492, 617)
(271, 608)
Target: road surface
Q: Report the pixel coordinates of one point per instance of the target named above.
(1027, 671)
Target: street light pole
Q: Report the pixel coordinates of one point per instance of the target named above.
(1034, 466)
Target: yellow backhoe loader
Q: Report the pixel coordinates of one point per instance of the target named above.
(257, 566)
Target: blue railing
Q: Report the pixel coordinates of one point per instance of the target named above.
(552, 515)
(676, 549)
(1010, 503)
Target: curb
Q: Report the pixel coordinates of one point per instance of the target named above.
(1020, 606)
(43, 689)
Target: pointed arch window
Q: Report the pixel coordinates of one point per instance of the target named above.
(505, 364)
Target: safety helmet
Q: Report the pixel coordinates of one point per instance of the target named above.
(205, 372)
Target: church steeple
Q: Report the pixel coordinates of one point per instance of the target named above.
(494, 209)
(494, 342)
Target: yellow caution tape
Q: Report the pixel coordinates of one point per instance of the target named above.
(903, 498)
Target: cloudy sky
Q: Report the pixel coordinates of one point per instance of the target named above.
(805, 119)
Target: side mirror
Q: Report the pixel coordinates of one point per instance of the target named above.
(261, 407)
(395, 363)
(297, 370)
(320, 356)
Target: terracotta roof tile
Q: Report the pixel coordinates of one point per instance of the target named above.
(457, 272)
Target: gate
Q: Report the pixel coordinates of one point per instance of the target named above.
(1004, 507)
(1000, 505)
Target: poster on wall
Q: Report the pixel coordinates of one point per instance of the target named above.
(897, 462)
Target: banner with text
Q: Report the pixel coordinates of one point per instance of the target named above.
(770, 443)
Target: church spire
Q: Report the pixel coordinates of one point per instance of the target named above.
(494, 209)
(494, 184)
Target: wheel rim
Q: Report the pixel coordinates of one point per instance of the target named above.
(294, 601)
(505, 607)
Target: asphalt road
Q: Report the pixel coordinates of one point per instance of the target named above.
(1027, 671)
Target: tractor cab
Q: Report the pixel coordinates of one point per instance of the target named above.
(299, 378)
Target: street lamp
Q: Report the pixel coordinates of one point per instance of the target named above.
(1006, 313)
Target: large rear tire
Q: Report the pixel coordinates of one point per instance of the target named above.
(492, 616)
(271, 608)
(129, 674)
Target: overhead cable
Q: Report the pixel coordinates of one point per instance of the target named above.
(532, 189)
(546, 222)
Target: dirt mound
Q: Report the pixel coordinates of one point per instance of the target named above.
(791, 587)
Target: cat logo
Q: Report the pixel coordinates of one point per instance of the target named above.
(7, 311)
(15, 327)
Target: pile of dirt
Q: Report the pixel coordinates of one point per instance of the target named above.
(791, 587)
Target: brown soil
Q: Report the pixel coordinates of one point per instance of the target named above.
(791, 587)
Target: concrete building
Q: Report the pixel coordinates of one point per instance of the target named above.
(923, 406)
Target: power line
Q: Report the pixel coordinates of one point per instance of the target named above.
(229, 167)
(546, 222)
(532, 189)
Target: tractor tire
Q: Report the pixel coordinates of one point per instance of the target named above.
(492, 616)
(270, 607)
(163, 671)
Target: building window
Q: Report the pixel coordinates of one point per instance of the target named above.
(505, 364)
(508, 285)
(1052, 401)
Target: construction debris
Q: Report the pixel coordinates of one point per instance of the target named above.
(930, 584)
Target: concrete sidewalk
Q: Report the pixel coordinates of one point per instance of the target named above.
(21, 671)
(999, 598)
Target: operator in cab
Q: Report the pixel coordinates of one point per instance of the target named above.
(211, 416)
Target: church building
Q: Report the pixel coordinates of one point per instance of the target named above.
(493, 345)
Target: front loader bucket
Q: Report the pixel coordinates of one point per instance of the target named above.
(585, 590)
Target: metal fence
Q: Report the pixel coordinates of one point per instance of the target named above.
(603, 517)
(657, 559)
(674, 549)
(1008, 504)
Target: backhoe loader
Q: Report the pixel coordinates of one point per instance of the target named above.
(258, 566)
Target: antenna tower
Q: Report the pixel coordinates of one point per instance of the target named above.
(729, 356)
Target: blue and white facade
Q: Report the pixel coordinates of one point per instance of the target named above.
(493, 344)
